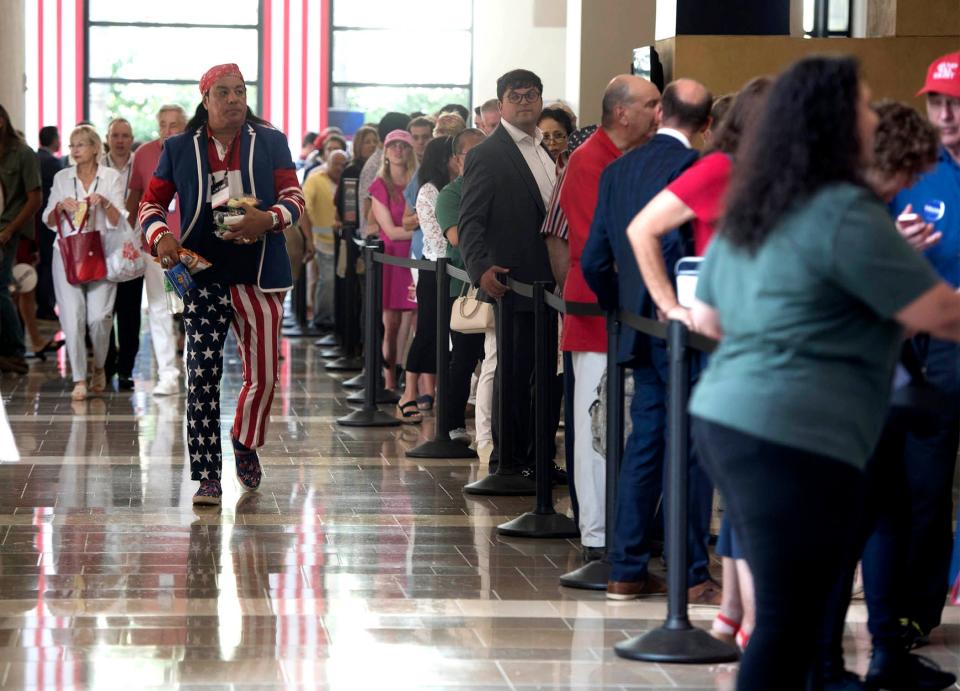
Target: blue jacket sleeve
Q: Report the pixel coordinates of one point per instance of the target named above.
(597, 261)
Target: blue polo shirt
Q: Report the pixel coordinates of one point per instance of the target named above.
(936, 197)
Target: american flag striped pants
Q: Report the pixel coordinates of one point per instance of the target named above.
(255, 317)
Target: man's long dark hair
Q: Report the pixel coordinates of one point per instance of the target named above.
(201, 115)
(807, 138)
(8, 134)
(435, 164)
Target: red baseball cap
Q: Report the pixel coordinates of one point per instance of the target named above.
(943, 76)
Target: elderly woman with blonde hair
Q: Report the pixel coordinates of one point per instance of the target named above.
(97, 192)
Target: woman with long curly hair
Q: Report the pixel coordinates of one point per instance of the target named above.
(808, 286)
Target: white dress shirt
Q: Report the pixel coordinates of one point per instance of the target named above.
(538, 160)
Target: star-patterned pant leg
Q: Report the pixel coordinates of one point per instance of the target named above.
(257, 319)
(207, 313)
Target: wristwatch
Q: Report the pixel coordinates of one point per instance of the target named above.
(276, 221)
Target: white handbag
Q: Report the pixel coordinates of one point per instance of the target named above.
(470, 315)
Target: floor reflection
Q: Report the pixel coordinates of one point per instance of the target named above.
(353, 568)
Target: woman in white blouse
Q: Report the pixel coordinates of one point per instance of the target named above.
(90, 305)
(434, 173)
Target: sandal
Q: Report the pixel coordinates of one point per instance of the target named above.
(52, 346)
(425, 402)
(408, 416)
(79, 391)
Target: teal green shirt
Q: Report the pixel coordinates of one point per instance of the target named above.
(448, 214)
(809, 338)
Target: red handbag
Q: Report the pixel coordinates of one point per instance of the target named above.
(83, 256)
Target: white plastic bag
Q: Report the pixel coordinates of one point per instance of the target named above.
(125, 258)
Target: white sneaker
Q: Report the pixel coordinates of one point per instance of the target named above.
(166, 387)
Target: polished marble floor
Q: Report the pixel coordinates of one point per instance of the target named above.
(353, 568)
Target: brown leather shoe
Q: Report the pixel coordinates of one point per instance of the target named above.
(631, 590)
(706, 593)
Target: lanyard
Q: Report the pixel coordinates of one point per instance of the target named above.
(76, 189)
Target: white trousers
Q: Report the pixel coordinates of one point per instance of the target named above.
(82, 307)
(484, 404)
(589, 466)
(161, 324)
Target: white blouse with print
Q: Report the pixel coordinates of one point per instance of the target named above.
(434, 244)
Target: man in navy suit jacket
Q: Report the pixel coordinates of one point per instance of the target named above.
(612, 273)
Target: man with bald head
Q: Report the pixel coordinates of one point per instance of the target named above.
(611, 271)
(631, 113)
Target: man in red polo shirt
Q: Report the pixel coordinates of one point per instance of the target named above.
(631, 115)
(171, 120)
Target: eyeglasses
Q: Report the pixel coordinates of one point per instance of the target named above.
(516, 97)
(554, 137)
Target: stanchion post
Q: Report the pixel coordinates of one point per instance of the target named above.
(348, 318)
(544, 521)
(595, 575)
(442, 446)
(677, 641)
(507, 481)
(370, 415)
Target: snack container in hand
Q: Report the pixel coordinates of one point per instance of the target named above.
(225, 216)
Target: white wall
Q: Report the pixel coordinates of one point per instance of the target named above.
(12, 59)
(508, 34)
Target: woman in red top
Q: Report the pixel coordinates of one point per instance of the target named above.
(696, 197)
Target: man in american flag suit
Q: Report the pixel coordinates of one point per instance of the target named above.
(226, 153)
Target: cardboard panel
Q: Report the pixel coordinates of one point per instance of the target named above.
(895, 67)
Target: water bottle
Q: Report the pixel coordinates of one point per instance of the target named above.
(174, 303)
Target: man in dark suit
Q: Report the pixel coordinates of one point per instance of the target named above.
(507, 182)
(50, 165)
(611, 271)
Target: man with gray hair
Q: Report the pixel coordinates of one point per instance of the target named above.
(631, 114)
(171, 120)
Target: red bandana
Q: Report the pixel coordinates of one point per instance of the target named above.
(217, 71)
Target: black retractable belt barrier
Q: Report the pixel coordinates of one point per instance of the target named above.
(442, 446)
(507, 481)
(370, 415)
(677, 640)
(544, 521)
(385, 395)
(348, 323)
(595, 575)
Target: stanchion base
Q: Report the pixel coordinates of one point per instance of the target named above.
(368, 418)
(345, 364)
(297, 331)
(442, 448)
(384, 397)
(332, 353)
(327, 341)
(681, 646)
(593, 575)
(356, 382)
(505, 485)
(539, 525)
